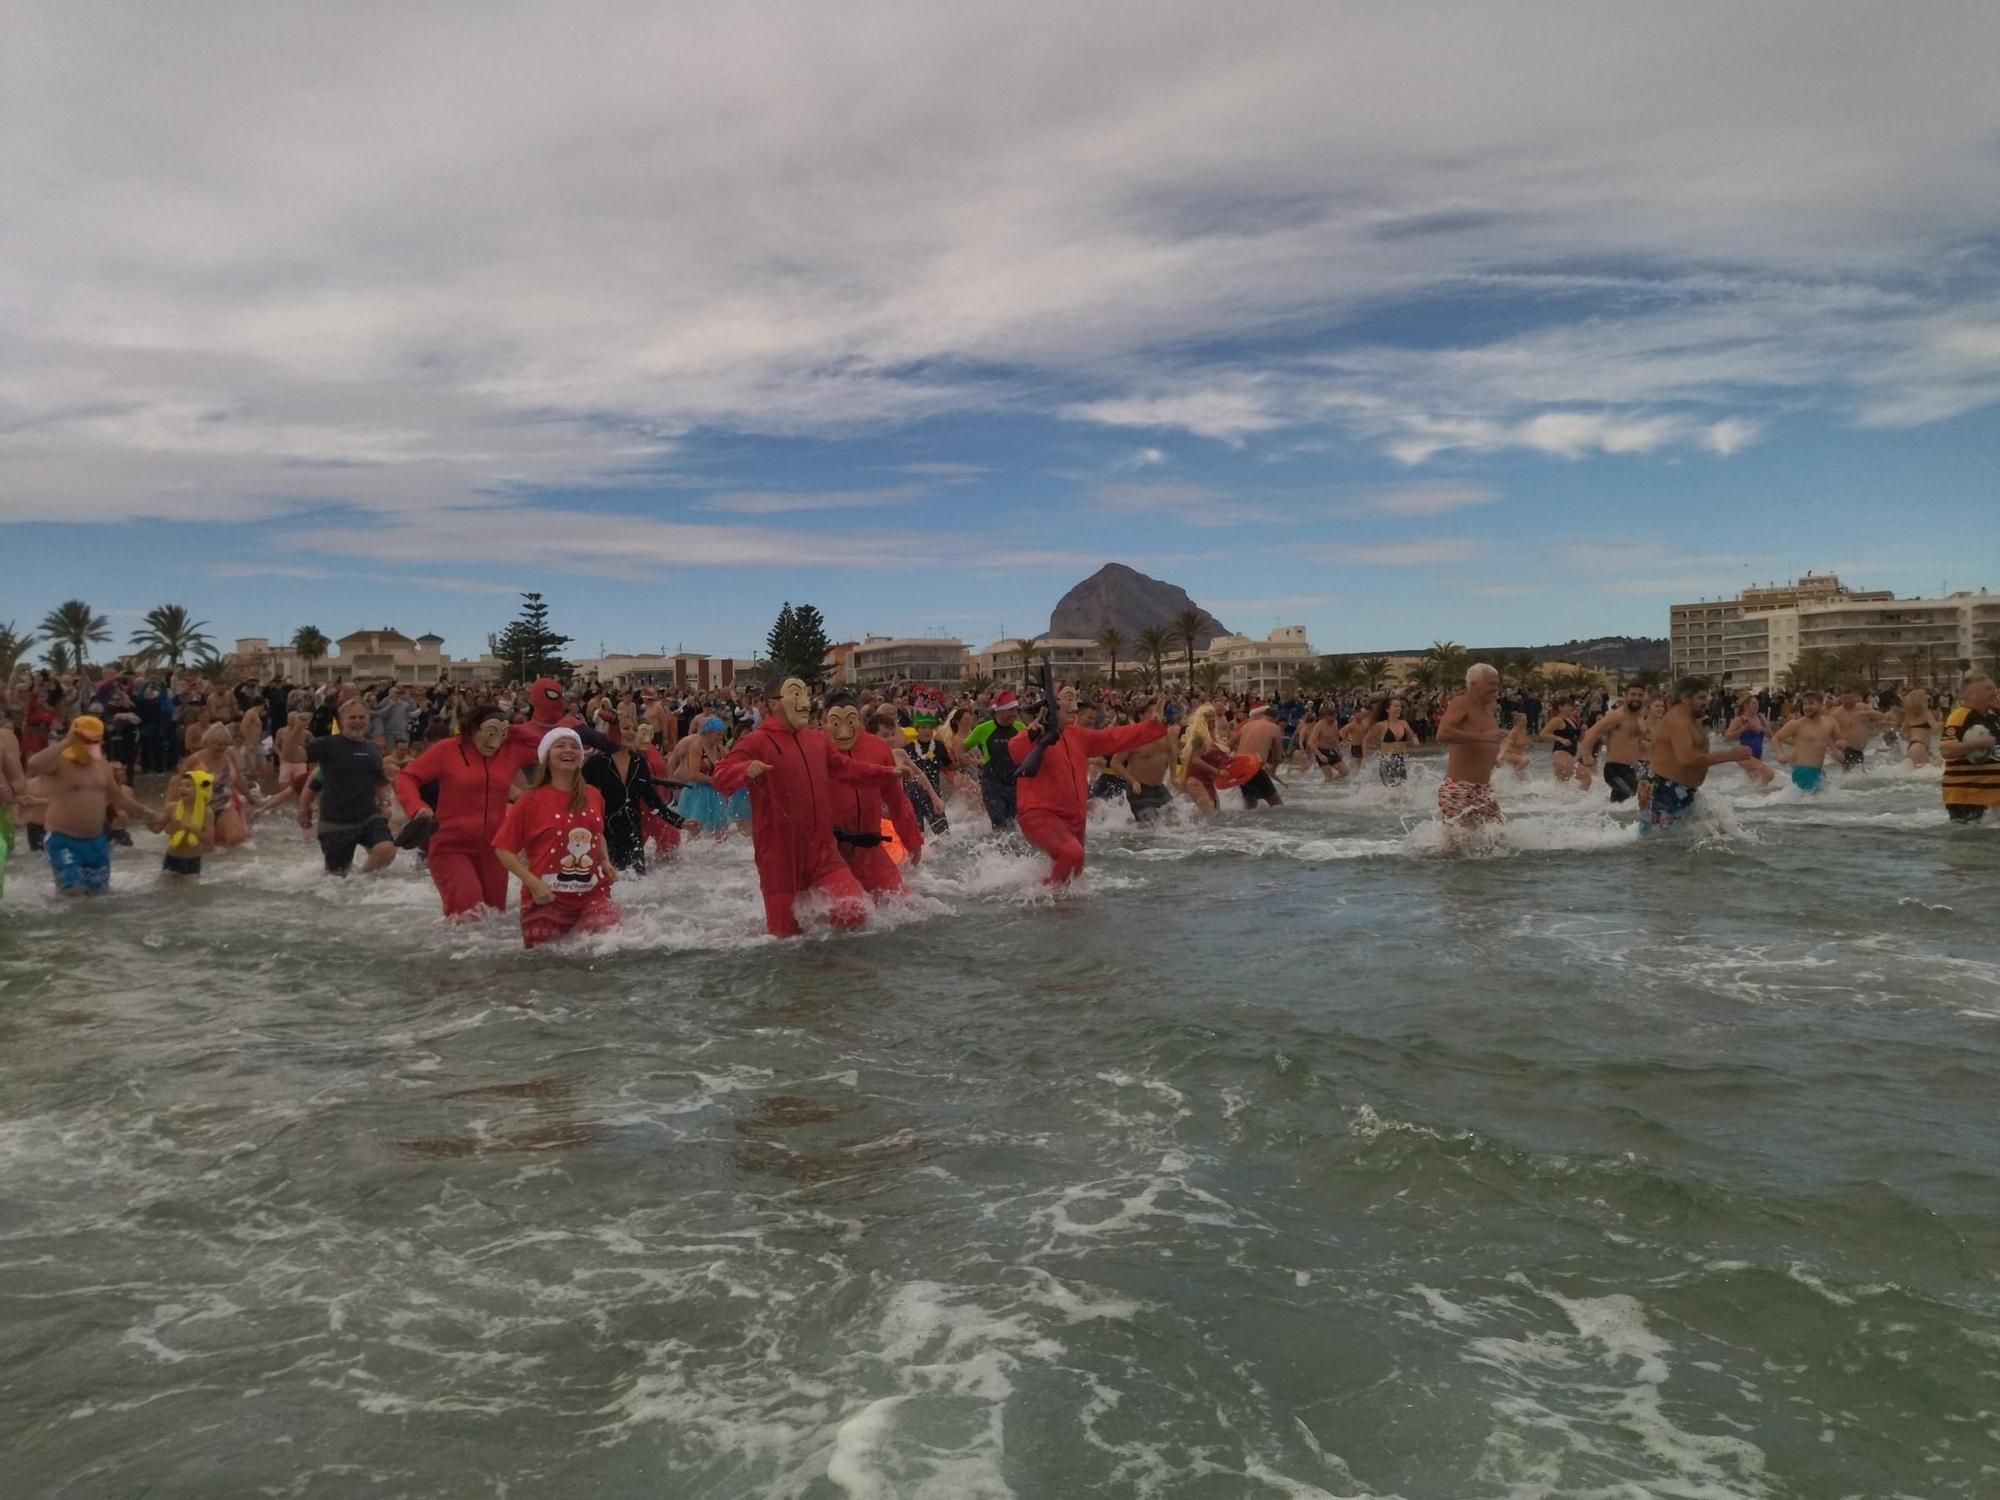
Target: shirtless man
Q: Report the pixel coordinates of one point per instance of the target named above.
(1855, 721)
(82, 792)
(1805, 741)
(1354, 735)
(1681, 757)
(1514, 750)
(1474, 735)
(1622, 731)
(1260, 736)
(1322, 743)
(1145, 770)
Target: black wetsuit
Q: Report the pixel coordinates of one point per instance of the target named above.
(626, 799)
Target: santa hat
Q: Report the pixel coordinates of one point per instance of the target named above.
(1006, 699)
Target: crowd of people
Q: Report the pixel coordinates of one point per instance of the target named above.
(563, 788)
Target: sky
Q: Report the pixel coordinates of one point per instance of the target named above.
(1500, 324)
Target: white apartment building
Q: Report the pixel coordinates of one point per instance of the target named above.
(1697, 637)
(1262, 668)
(1072, 658)
(1927, 641)
(676, 671)
(938, 661)
(368, 656)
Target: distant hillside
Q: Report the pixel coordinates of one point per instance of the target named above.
(1122, 598)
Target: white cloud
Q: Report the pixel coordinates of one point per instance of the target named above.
(272, 258)
(780, 502)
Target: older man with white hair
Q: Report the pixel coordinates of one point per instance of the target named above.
(1473, 734)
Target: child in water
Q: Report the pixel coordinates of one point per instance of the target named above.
(189, 824)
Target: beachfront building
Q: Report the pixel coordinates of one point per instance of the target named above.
(1073, 659)
(367, 656)
(1925, 641)
(676, 671)
(837, 666)
(1697, 634)
(1261, 668)
(938, 661)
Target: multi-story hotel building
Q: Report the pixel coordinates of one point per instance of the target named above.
(1749, 643)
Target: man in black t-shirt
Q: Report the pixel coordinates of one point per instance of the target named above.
(347, 786)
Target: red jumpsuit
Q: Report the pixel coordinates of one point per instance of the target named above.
(791, 819)
(666, 838)
(861, 809)
(471, 805)
(1052, 802)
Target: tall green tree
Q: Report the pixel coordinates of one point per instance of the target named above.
(14, 645)
(1111, 641)
(310, 644)
(1026, 651)
(1188, 627)
(1208, 678)
(530, 645)
(74, 627)
(1373, 669)
(170, 635)
(1155, 641)
(797, 643)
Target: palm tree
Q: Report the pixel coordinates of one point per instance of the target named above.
(1373, 670)
(1188, 627)
(1208, 678)
(14, 645)
(1026, 651)
(170, 633)
(1338, 675)
(211, 666)
(1863, 660)
(1521, 666)
(310, 646)
(1425, 675)
(57, 656)
(976, 681)
(1813, 668)
(1450, 658)
(1155, 641)
(1111, 641)
(72, 625)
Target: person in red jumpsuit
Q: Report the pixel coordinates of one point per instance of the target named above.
(858, 809)
(548, 706)
(791, 771)
(474, 776)
(1053, 797)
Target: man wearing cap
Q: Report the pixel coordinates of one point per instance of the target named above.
(82, 791)
(996, 771)
(1052, 789)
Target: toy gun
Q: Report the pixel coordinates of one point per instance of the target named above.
(1051, 721)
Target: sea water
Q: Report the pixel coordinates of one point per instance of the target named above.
(1285, 1156)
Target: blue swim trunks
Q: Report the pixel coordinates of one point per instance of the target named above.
(80, 864)
(1667, 803)
(1806, 778)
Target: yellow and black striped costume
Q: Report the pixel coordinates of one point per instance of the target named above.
(1970, 783)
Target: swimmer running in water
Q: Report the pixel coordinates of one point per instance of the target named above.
(1565, 732)
(1391, 739)
(1919, 725)
(1806, 741)
(1621, 731)
(1473, 737)
(1681, 757)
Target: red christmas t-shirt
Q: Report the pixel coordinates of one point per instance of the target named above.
(560, 846)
